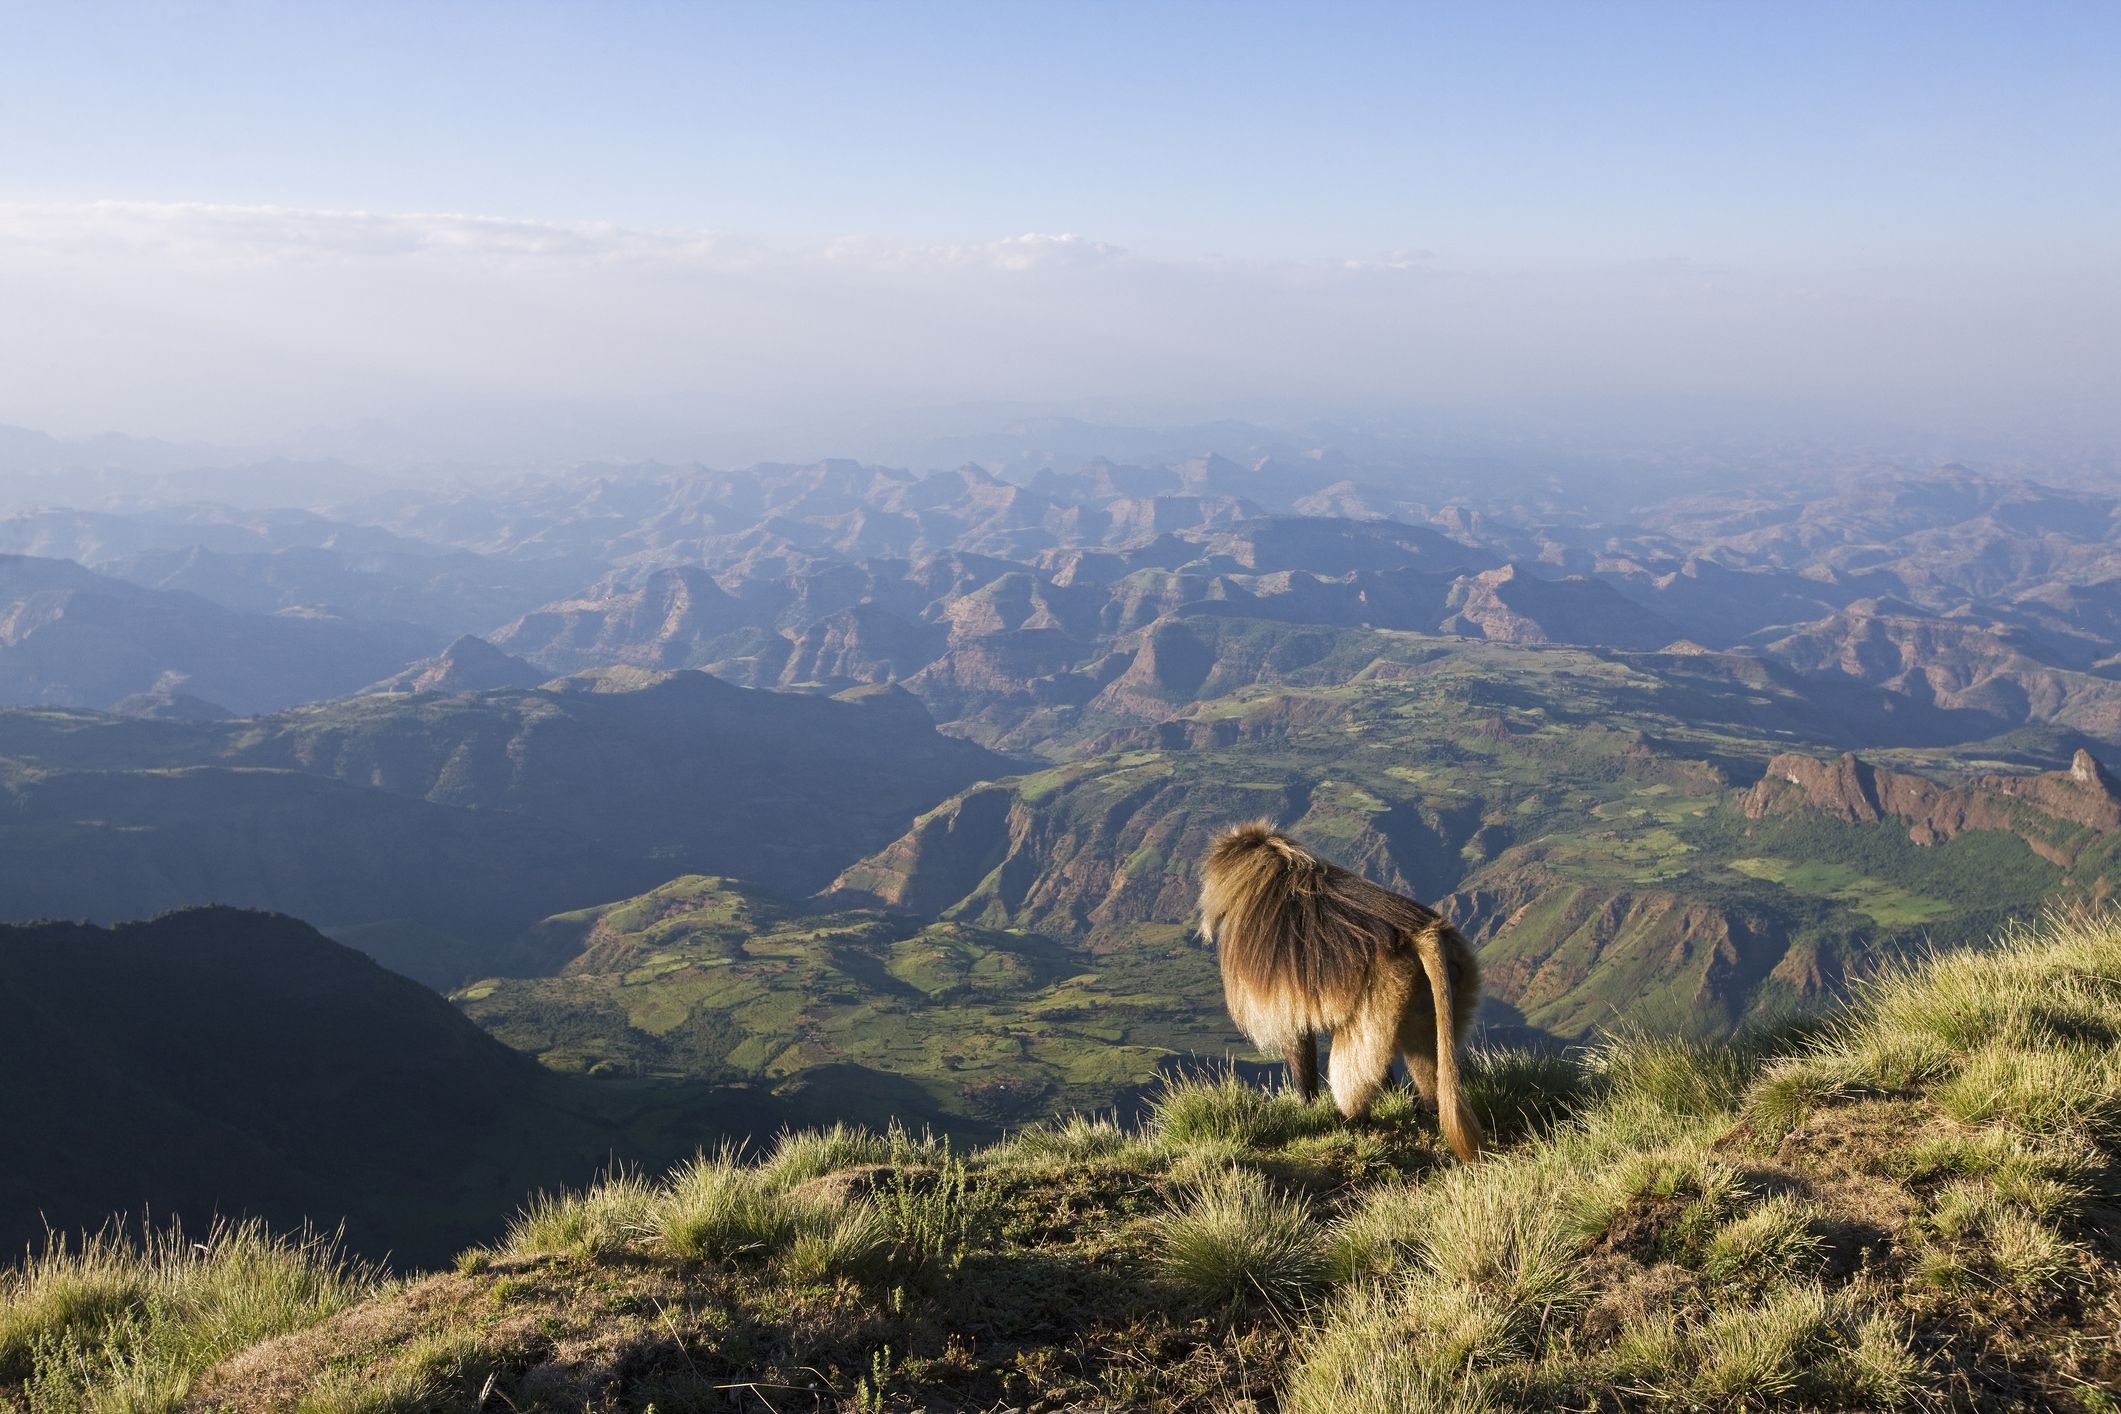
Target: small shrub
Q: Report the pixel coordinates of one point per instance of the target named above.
(935, 1218)
(905, 1149)
(1235, 1238)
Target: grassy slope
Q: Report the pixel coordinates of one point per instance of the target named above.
(1908, 1207)
(431, 830)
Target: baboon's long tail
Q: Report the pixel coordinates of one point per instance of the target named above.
(1460, 1128)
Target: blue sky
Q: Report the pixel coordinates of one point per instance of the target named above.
(1866, 151)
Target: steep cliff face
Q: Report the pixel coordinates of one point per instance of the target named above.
(1573, 957)
(1061, 852)
(1511, 606)
(676, 618)
(2081, 799)
(944, 858)
(863, 644)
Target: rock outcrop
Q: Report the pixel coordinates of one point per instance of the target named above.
(1852, 790)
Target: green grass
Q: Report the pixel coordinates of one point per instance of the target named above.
(1885, 904)
(118, 1321)
(1225, 1110)
(1234, 1239)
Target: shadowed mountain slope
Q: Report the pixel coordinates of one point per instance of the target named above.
(216, 1062)
(432, 829)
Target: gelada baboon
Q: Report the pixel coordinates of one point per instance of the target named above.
(1308, 946)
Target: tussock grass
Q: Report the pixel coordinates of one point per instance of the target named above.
(1790, 1088)
(1234, 1238)
(1700, 1191)
(1976, 1236)
(854, 1243)
(598, 1221)
(124, 1322)
(1375, 1354)
(1519, 1093)
(2024, 1035)
(802, 1155)
(1804, 1346)
(716, 1208)
(1673, 1075)
(1223, 1109)
(1077, 1139)
(1777, 1241)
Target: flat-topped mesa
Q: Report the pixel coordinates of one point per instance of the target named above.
(1855, 791)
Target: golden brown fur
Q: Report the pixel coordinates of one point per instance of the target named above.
(1307, 946)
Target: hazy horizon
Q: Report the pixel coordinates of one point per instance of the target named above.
(656, 225)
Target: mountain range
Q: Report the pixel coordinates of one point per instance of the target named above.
(848, 784)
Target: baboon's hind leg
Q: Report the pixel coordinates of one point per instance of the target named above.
(1303, 1065)
(1361, 1062)
(1417, 1043)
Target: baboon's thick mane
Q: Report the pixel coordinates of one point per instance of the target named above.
(1290, 924)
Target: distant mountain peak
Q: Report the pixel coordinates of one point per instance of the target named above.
(470, 664)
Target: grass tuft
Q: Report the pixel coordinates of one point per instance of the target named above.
(1077, 1139)
(716, 1208)
(1674, 1075)
(120, 1322)
(1772, 1244)
(1520, 1093)
(598, 1221)
(1224, 1109)
(1234, 1239)
(802, 1155)
(1370, 1356)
